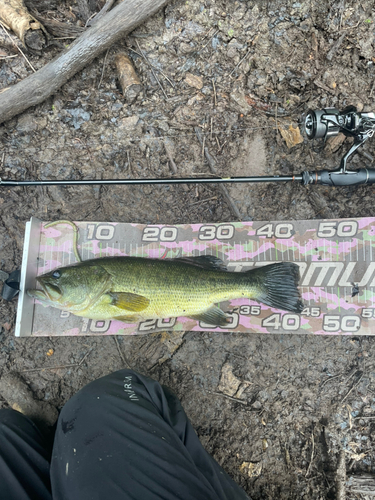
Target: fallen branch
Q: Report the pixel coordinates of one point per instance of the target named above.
(58, 28)
(363, 484)
(15, 15)
(130, 83)
(114, 25)
(341, 477)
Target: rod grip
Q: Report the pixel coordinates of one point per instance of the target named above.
(337, 178)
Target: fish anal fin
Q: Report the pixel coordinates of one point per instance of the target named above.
(214, 317)
(129, 301)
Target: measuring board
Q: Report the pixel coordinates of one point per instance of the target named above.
(336, 260)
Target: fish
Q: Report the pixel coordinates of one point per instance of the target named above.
(133, 289)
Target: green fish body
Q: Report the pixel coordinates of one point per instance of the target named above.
(132, 289)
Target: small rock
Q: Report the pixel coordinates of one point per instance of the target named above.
(41, 122)
(46, 155)
(186, 48)
(240, 99)
(79, 116)
(194, 81)
(195, 98)
(26, 124)
(129, 122)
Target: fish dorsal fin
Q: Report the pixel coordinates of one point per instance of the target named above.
(204, 261)
(129, 301)
(213, 316)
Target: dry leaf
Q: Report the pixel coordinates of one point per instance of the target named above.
(252, 469)
(229, 383)
(291, 135)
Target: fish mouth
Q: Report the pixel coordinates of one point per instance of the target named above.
(49, 293)
(37, 294)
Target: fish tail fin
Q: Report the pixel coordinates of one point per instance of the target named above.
(277, 286)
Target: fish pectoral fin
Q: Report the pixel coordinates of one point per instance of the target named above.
(213, 316)
(129, 301)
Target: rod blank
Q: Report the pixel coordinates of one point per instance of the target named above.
(170, 180)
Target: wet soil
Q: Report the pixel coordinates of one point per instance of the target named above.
(274, 410)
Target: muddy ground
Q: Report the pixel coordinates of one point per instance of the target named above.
(257, 64)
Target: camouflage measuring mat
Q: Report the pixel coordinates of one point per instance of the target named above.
(335, 258)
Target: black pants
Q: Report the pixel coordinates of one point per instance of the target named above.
(123, 436)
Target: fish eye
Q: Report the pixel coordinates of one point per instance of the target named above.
(56, 274)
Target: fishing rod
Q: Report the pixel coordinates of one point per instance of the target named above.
(319, 124)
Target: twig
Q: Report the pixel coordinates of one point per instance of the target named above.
(11, 39)
(329, 378)
(153, 72)
(244, 57)
(351, 27)
(215, 97)
(211, 164)
(335, 47)
(276, 118)
(312, 453)
(320, 84)
(362, 153)
(352, 387)
(171, 161)
(206, 35)
(229, 397)
(73, 365)
(124, 360)
(341, 477)
(204, 201)
(208, 41)
(42, 368)
(157, 69)
(105, 60)
(85, 356)
(93, 20)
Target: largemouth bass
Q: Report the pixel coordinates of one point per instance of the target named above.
(132, 289)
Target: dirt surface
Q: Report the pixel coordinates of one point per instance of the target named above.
(275, 411)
